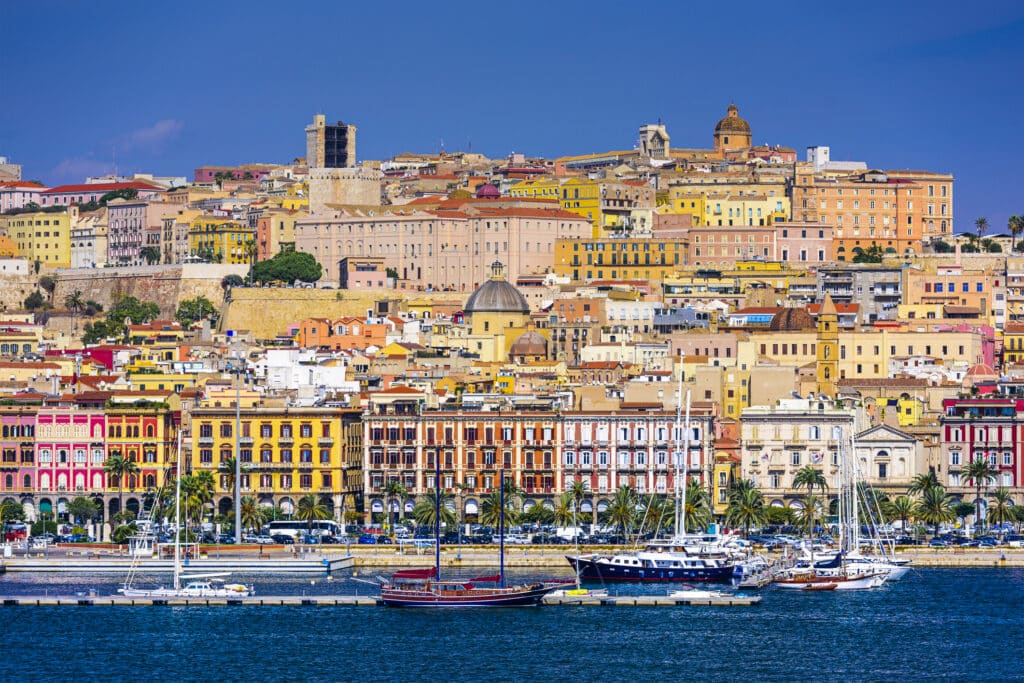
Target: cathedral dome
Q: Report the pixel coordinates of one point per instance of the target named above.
(791, 320)
(497, 295)
(530, 343)
(732, 123)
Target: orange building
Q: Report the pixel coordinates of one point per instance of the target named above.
(895, 210)
(344, 333)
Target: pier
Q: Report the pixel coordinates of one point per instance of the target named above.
(357, 601)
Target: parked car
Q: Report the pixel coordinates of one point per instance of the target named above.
(368, 539)
(283, 539)
(226, 539)
(263, 539)
(938, 543)
(1015, 541)
(987, 542)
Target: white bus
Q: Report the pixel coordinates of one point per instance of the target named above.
(297, 528)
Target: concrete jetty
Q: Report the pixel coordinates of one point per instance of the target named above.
(357, 601)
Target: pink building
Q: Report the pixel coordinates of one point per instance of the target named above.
(17, 193)
(65, 195)
(70, 454)
(208, 174)
(17, 452)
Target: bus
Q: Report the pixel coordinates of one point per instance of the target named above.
(297, 528)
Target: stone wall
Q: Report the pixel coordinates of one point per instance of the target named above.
(164, 285)
(14, 289)
(267, 311)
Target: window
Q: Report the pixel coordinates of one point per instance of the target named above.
(794, 458)
(883, 470)
(954, 458)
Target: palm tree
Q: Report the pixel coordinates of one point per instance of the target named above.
(698, 512)
(935, 507)
(393, 490)
(812, 479)
(490, 510)
(1001, 509)
(901, 508)
(252, 515)
(74, 303)
(565, 512)
(962, 511)
(424, 512)
(922, 482)
(981, 473)
(310, 509)
(119, 466)
(1015, 225)
(659, 512)
(621, 511)
(981, 225)
(746, 506)
(812, 510)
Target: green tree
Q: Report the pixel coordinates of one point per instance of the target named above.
(287, 266)
(252, 514)
(779, 515)
(942, 247)
(935, 507)
(74, 303)
(872, 254)
(812, 511)
(124, 308)
(394, 490)
(229, 281)
(810, 478)
(193, 310)
(82, 510)
(126, 193)
(981, 226)
(901, 508)
(698, 511)
(424, 510)
(621, 511)
(539, 514)
(311, 509)
(981, 473)
(923, 482)
(11, 511)
(35, 301)
(150, 254)
(124, 532)
(1001, 508)
(746, 506)
(48, 285)
(565, 511)
(962, 511)
(659, 512)
(120, 467)
(490, 510)
(1015, 225)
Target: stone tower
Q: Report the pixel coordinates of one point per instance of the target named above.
(828, 348)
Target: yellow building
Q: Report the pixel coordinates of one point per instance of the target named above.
(41, 236)
(610, 205)
(221, 240)
(497, 315)
(619, 258)
(739, 286)
(285, 453)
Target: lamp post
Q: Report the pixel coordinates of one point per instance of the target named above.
(236, 368)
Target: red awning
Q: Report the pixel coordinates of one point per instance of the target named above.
(414, 574)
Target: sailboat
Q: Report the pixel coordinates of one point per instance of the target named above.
(579, 591)
(683, 558)
(195, 585)
(425, 588)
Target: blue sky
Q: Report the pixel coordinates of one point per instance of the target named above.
(164, 87)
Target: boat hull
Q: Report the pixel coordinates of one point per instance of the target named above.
(527, 596)
(595, 570)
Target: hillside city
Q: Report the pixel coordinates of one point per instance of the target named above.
(345, 329)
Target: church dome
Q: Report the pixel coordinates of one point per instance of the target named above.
(530, 343)
(497, 295)
(791, 320)
(487, 191)
(732, 123)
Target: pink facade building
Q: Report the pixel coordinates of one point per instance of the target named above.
(70, 453)
(17, 452)
(990, 428)
(211, 174)
(16, 194)
(66, 195)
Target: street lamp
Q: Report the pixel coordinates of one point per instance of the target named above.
(236, 367)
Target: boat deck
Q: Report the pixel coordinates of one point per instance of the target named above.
(353, 600)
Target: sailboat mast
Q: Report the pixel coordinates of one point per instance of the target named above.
(177, 518)
(685, 458)
(501, 530)
(678, 454)
(437, 516)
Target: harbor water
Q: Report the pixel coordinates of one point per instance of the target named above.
(936, 624)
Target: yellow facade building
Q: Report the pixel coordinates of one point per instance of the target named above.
(619, 258)
(41, 237)
(285, 453)
(611, 206)
(221, 240)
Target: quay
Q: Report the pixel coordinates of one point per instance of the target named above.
(358, 601)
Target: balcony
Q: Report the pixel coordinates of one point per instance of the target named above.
(206, 441)
(325, 441)
(245, 440)
(285, 440)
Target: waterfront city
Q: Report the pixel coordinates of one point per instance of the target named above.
(435, 324)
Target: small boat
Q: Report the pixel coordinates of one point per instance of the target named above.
(824, 586)
(197, 587)
(800, 580)
(692, 593)
(646, 565)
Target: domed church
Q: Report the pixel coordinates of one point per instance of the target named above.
(497, 314)
(732, 133)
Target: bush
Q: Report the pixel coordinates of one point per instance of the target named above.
(124, 532)
(40, 527)
(35, 301)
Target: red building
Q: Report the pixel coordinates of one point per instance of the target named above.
(973, 428)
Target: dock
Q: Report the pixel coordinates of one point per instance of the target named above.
(351, 601)
(251, 564)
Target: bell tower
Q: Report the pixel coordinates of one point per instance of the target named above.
(828, 348)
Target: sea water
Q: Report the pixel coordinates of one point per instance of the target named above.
(936, 624)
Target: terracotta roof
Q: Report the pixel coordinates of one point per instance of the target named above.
(814, 309)
(400, 390)
(101, 187)
(883, 382)
(21, 184)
